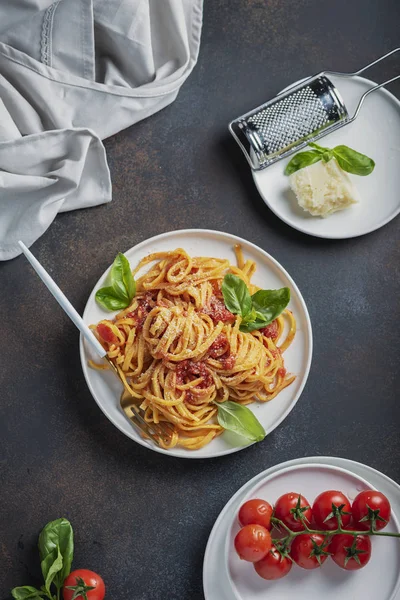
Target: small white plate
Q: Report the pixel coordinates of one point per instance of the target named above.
(106, 388)
(328, 582)
(217, 581)
(376, 133)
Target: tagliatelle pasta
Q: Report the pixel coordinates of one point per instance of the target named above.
(179, 350)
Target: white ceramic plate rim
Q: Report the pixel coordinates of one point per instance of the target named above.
(280, 472)
(232, 239)
(236, 499)
(331, 236)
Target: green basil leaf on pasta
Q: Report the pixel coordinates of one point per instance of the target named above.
(121, 278)
(122, 290)
(301, 160)
(241, 420)
(258, 323)
(269, 304)
(56, 549)
(236, 295)
(250, 317)
(26, 592)
(108, 299)
(352, 161)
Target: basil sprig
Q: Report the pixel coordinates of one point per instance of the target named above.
(56, 549)
(119, 294)
(257, 311)
(348, 159)
(241, 420)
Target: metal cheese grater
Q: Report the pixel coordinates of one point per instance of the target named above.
(303, 113)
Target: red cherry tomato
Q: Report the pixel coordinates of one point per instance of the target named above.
(81, 580)
(273, 565)
(350, 552)
(253, 542)
(324, 505)
(257, 512)
(309, 550)
(288, 509)
(373, 506)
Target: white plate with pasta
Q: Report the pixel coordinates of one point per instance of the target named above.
(185, 357)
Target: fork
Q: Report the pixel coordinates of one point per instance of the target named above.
(160, 433)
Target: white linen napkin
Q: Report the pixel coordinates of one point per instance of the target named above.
(73, 72)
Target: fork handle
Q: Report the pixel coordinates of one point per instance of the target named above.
(64, 302)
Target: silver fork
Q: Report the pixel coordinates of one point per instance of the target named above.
(160, 433)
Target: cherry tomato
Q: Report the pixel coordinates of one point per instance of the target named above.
(325, 504)
(350, 552)
(273, 565)
(290, 507)
(371, 506)
(253, 542)
(84, 583)
(309, 551)
(257, 512)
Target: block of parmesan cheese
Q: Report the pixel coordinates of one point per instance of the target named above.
(323, 188)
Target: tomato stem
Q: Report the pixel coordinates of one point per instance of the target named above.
(278, 524)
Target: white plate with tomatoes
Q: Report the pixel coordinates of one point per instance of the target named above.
(225, 576)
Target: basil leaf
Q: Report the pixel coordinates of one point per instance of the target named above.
(249, 318)
(318, 148)
(236, 295)
(26, 591)
(241, 420)
(327, 155)
(348, 159)
(353, 162)
(258, 323)
(123, 287)
(269, 304)
(56, 549)
(108, 299)
(52, 570)
(301, 160)
(121, 278)
(47, 563)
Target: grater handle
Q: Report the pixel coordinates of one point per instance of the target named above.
(378, 60)
(375, 62)
(376, 87)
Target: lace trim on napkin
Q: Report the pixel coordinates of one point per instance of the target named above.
(47, 26)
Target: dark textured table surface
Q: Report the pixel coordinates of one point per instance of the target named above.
(140, 518)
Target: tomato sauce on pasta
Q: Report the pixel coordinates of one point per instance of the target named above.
(179, 350)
